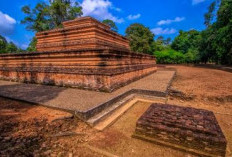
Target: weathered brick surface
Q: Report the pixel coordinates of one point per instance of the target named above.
(84, 32)
(95, 69)
(84, 54)
(192, 128)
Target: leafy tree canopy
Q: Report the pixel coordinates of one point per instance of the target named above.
(111, 24)
(141, 38)
(186, 40)
(3, 44)
(32, 45)
(6, 47)
(11, 47)
(48, 16)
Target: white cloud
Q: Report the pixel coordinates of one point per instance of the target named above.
(160, 31)
(168, 21)
(134, 17)
(100, 10)
(116, 9)
(194, 2)
(7, 24)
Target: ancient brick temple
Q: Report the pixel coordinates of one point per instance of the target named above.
(84, 53)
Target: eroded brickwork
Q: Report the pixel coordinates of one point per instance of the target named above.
(85, 53)
(95, 69)
(191, 128)
(81, 33)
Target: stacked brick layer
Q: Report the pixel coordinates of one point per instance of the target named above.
(81, 33)
(191, 128)
(95, 69)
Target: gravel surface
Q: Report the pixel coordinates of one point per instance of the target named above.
(76, 99)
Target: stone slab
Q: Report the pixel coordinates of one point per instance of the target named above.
(186, 128)
(72, 99)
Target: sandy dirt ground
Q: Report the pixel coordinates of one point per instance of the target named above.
(29, 130)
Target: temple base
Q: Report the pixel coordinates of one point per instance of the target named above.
(93, 69)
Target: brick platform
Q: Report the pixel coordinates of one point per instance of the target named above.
(81, 33)
(95, 69)
(85, 53)
(185, 128)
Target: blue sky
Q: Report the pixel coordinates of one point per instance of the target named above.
(163, 17)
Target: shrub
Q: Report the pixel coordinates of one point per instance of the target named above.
(169, 56)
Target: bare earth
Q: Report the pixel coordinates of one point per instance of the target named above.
(27, 130)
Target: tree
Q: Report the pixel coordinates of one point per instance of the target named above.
(216, 43)
(32, 45)
(210, 14)
(160, 38)
(6, 47)
(186, 40)
(11, 47)
(167, 41)
(141, 38)
(48, 16)
(3, 44)
(63, 10)
(222, 43)
(111, 24)
(37, 19)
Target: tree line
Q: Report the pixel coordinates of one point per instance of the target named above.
(8, 47)
(213, 44)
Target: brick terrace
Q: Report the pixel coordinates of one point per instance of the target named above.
(85, 53)
(186, 127)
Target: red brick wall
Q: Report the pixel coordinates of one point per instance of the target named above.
(96, 69)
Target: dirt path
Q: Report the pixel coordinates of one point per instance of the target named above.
(28, 130)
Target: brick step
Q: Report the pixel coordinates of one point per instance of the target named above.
(106, 112)
(111, 114)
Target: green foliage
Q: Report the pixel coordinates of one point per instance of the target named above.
(169, 56)
(157, 46)
(216, 45)
(11, 47)
(161, 44)
(111, 24)
(141, 38)
(192, 56)
(63, 10)
(209, 15)
(37, 19)
(6, 47)
(48, 16)
(32, 45)
(3, 44)
(167, 41)
(186, 40)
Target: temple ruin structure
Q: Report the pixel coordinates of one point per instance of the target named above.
(85, 53)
